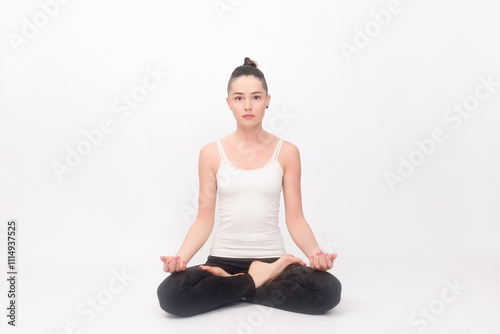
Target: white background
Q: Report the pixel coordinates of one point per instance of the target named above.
(353, 117)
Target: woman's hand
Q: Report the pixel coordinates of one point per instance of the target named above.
(322, 261)
(172, 264)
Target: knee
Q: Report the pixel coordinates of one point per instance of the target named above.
(322, 290)
(174, 293)
(335, 291)
(330, 291)
(164, 293)
(169, 298)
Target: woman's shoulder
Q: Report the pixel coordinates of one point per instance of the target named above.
(209, 148)
(212, 149)
(289, 156)
(288, 148)
(209, 156)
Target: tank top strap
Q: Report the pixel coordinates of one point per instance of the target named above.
(221, 151)
(278, 148)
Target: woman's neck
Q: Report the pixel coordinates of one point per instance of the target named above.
(254, 135)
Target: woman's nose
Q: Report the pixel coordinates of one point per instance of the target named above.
(248, 104)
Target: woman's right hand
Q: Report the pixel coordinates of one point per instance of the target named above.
(172, 264)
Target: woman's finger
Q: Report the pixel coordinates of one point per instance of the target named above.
(177, 263)
(166, 263)
(328, 260)
(333, 256)
(322, 261)
(316, 261)
(173, 263)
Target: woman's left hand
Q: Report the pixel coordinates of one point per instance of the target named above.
(322, 261)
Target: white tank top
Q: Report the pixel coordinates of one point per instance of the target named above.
(249, 203)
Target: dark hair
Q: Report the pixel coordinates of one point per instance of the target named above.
(249, 67)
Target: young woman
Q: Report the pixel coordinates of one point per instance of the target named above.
(247, 260)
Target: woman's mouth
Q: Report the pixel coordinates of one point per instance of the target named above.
(248, 116)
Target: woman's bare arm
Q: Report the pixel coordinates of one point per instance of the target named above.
(299, 229)
(202, 227)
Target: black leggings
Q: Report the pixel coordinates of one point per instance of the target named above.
(298, 288)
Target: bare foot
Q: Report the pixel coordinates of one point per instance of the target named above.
(218, 271)
(262, 272)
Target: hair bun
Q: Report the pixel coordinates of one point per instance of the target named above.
(249, 62)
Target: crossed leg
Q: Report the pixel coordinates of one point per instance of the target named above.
(300, 289)
(261, 272)
(285, 283)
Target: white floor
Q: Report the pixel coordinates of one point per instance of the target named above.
(389, 297)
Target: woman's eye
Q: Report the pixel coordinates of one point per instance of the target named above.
(257, 97)
(237, 98)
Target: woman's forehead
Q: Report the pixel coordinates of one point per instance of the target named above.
(247, 83)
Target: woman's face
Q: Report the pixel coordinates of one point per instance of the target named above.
(248, 96)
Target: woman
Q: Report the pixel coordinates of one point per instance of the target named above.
(247, 260)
